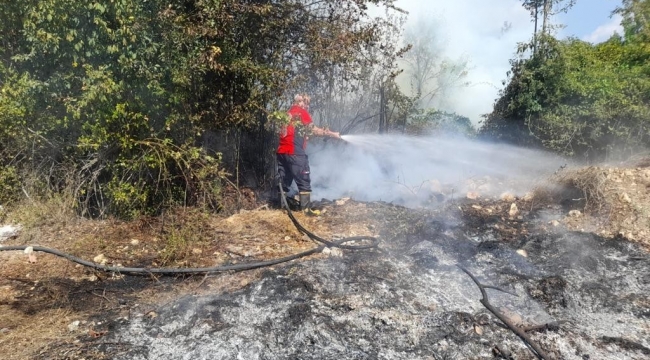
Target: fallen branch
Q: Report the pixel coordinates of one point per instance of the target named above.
(548, 326)
(541, 354)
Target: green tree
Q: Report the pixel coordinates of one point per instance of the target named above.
(111, 99)
(576, 98)
(432, 121)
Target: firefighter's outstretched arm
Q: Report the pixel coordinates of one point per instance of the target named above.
(324, 132)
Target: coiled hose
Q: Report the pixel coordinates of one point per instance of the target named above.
(371, 242)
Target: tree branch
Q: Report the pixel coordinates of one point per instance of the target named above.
(541, 354)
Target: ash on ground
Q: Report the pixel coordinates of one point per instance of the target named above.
(409, 300)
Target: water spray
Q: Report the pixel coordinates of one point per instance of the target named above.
(408, 170)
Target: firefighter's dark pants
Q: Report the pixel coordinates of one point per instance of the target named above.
(294, 167)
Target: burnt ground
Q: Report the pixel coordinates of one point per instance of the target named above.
(407, 299)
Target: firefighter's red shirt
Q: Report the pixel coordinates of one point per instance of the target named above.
(291, 142)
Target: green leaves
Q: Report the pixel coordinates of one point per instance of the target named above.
(577, 98)
(120, 91)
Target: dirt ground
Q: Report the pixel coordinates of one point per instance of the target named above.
(51, 306)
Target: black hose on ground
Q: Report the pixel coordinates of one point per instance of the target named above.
(206, 270)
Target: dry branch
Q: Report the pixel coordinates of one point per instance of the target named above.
(541, 354)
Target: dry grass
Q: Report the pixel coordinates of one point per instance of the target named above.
(615, 200)
(28, 333)
(585, 187)
(51, 211)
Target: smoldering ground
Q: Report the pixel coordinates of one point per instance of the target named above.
(409, 300)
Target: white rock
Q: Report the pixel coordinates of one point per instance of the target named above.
(8, 232)
(509, 197)
(522, 252)
(472, 195)
(74, 326)
(336, 252)
(513, 210)
(341, 202)
(100, 259)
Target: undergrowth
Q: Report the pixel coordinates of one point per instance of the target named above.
(185, 234)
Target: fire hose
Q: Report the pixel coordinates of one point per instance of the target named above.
(370, 242)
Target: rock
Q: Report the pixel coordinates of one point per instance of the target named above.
(342, 201)
(529, 196)
(74, 326)
(135, 241)
(625, 198)
(506, 196)
(513, 210)
(332, 251)
(472, 195)
(575, 213)
(100, 259)
(555, 223)
(237, 250)
(522, 252)
(9, 231)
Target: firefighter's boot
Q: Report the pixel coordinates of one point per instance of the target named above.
(305, 199)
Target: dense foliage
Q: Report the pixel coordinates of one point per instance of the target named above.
(131, 106)
(580, 99)
(111, 100)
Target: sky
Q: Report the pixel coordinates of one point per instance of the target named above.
(472, 31)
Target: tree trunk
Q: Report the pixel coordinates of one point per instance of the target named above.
(535, 31)
(548, 4)
(382, 112)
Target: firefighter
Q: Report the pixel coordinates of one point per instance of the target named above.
(293, 163)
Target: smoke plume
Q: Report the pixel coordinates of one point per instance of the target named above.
(416, 171)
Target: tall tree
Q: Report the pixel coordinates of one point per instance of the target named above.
(636, 19)
(430, 73)
(545, 9)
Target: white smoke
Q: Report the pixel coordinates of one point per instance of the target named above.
(416, 171)
(485, 34)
